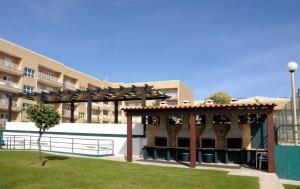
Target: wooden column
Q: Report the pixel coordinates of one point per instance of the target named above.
(143, 104)
(9, 114)
(72, 112)
(271, 144)
(116, 111)
(192, 123)
(42, 97)
(129, 138)
(89, 109)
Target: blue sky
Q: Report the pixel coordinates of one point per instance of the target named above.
(241, 47)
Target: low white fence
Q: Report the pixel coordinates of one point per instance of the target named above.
(88, 139)
(96, 147)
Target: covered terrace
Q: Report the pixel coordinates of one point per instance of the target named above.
(195, 134)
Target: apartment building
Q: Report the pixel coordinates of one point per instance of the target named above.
(175, 89)
(22, 70)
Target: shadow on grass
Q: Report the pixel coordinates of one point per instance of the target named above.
(56, 158)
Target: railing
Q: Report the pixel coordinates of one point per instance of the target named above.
(69, 85)
(285, 135)
(4, 102)
(3, 120)
(68, 113)
(49, 77)
(10, 65)
(106, 106)
(42, 90)
(82, 146)
(10, 84)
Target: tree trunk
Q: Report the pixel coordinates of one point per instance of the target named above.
(39, 146)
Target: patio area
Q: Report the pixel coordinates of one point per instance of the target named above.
(231, 135)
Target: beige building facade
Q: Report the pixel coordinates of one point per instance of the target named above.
(22, 70)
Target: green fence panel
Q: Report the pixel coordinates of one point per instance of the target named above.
(259, 133)
(287, 162)
(1, 135)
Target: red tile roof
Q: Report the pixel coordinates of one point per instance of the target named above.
(208, 106)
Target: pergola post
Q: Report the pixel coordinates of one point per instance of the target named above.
(143, 104)
(42, 97)
(116, 111)
(271, 143)
(9, 115)
(89, 108)
(192, 123)
(129, 137)
(72, 112)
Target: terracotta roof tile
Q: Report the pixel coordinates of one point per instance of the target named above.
(262, 105)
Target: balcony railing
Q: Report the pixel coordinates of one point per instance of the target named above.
(3, 120)
(70, 85)
(4, 102)
(68, 113)
(42, 90)
(10, 65)
(49, 77)
(10, 84)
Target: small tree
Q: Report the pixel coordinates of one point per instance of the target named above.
(44, 117)
(220, 98)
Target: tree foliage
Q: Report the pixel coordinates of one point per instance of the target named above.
(44, 117)
(220, 98)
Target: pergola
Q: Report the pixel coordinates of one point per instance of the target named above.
(192, 111)
(115, 95)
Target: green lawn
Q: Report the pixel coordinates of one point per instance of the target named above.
(71, 172)
(286, 186)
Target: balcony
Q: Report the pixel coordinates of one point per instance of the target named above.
(67, 114)
(70, 86)
(3, 121)
(95, 118)
(49, 80)
(9, 67)
(4, 105)
(10, 86)
(105, 118)
(41, 90)
(95, 106)
(106, 107)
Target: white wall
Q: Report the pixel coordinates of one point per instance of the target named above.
(107, 132)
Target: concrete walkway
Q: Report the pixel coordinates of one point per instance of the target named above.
(266, 180)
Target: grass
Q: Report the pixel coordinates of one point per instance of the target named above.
(287, 186)
(72, 172)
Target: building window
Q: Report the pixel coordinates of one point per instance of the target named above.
(27, 89)
(81, 115)
(3, 116)
(25, 106)
(29, 72)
